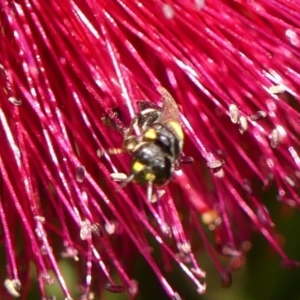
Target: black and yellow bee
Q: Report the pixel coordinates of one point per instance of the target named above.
(157, 148)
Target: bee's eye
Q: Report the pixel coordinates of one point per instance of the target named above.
(129, 143)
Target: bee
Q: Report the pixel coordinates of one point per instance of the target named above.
(156, 149)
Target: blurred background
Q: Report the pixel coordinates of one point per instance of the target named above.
(261, 278)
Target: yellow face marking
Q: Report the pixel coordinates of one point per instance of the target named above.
(177, 129)
(150, 177)
(150, 134)
(137, 167)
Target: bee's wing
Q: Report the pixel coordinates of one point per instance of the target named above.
(170, 112)
(145, 104)
(114, 120)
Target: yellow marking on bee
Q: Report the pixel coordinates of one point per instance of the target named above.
(177, 129)
(137, 167)
(150, 177)
(150, 134)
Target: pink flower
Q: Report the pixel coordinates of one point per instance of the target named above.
(232, 67)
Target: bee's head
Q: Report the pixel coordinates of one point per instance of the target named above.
(151, 164)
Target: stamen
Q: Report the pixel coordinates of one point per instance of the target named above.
(118, 177)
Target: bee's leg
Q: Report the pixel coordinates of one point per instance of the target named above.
(124, 181)
(149, 191)
(186, 160)
(110, 151)
(133, 125)
(183, 160)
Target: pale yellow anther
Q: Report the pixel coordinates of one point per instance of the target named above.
(209, 217)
